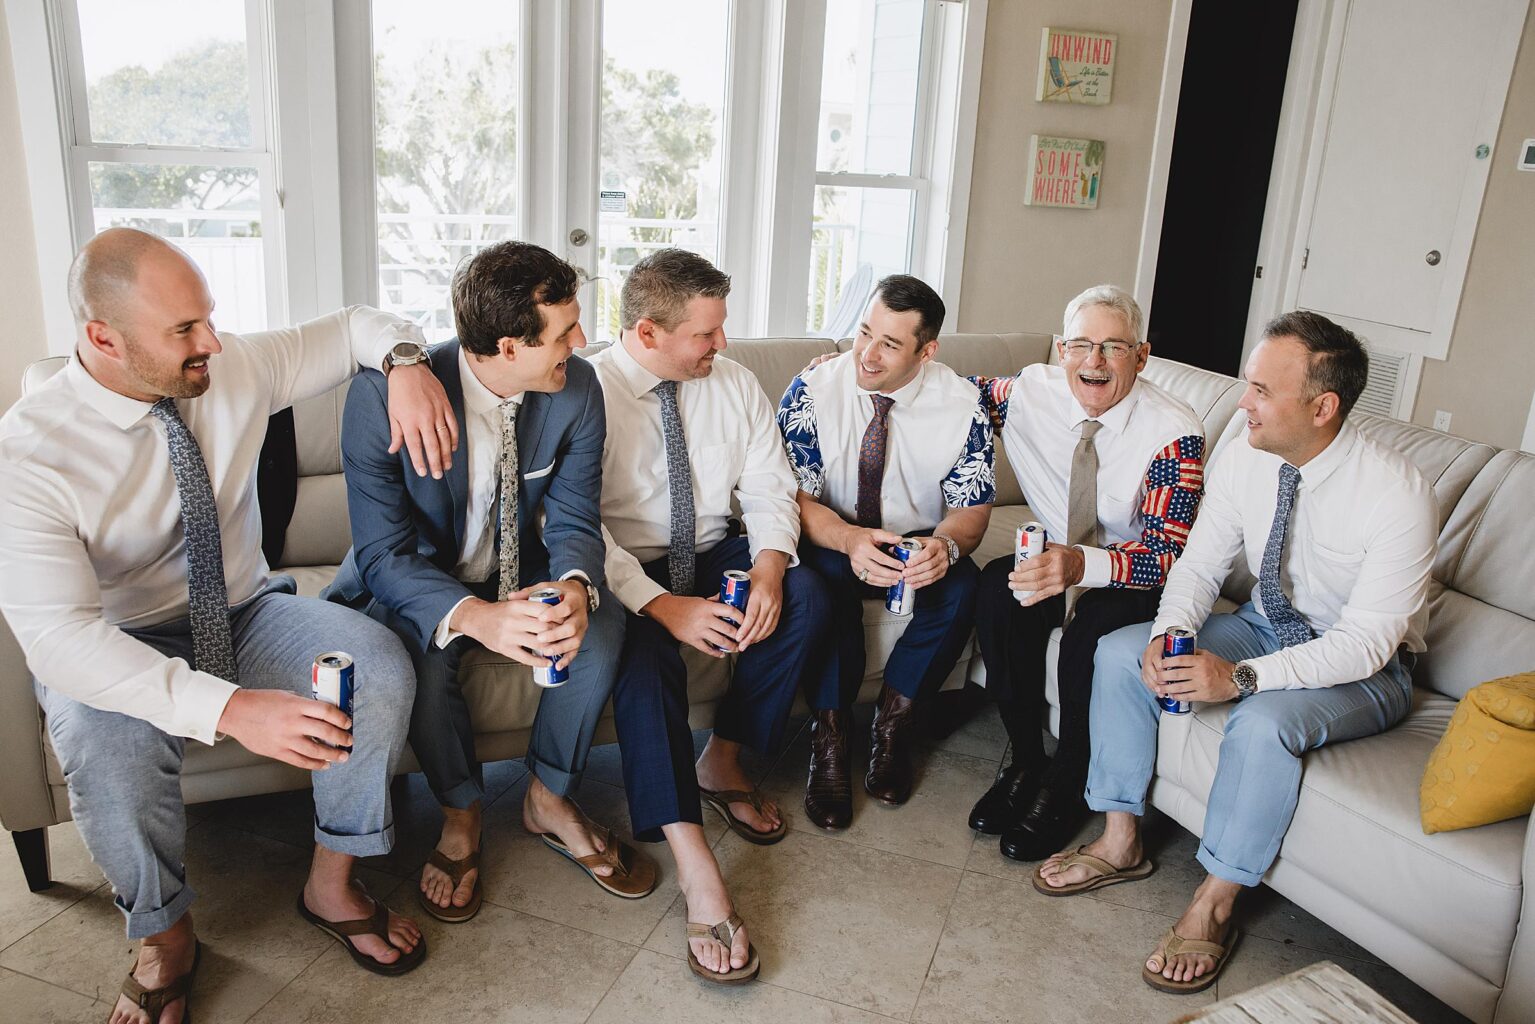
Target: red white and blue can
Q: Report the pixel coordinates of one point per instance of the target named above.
(549, 677)
(331, 680)
(900, 599)
(1175, 643)
(1028, 542)
(735, 588)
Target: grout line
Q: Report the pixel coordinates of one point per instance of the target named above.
(98, 1000)
(621, 971)
(288, 984)
(942, 930)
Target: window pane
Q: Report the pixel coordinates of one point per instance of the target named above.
(166, 72)
(663, 116)
(213, 213)
(869, 86)
(445, 109)
(859, 235)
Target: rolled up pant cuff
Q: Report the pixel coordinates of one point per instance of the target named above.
(559, 781)
(1104, 805)
(1226, 871)
(463, 796)
(373, 844)
(142, 924)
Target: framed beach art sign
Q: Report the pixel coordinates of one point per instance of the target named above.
(1063, 172)
(1076, 66)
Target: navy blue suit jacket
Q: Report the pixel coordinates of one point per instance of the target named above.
(408, 530)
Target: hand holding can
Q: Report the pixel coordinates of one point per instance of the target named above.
(553, 675)
(1028, 542)
(331, 679)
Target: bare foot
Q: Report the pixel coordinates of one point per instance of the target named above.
(542, 811)
(719, 767)
(162, 959)
(1117, 851)
(1207, 918)
(708, 903)
(460, 837)
(351, 903)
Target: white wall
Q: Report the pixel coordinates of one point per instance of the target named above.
(23, 338)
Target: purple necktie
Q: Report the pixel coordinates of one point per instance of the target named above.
(871, 463)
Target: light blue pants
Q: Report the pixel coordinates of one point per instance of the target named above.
(1257, 780)
(124, 774)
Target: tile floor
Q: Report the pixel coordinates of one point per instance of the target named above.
(907, 915)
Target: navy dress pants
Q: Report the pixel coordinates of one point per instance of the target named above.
(650, 699)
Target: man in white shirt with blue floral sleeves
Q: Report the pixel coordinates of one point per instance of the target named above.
(887, 444)
(132, 574)
(1340, 533)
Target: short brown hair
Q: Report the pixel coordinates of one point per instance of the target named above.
(497, 292)
(902, 293)
(1337, 362)
(662, 284)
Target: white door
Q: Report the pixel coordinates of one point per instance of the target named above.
(1420, 86)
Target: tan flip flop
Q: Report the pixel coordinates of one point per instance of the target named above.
(153, 1001)
(1173, 944)
(724, 932)
(455, 870)
(1108, 874)
(634, 874)
(375, 924)
(721, 799)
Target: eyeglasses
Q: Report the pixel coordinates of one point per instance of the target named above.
(1081, 348)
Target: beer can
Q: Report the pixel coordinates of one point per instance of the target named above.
(1176, 642)
(735, 588)
(549, 677)
(900, 599)
(1028, 542)
(330, 680)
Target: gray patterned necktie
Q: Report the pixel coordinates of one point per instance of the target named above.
(509, 563)
(679, 479)
(207, 596)
(1287, 622)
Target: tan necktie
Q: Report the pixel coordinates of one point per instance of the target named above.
(1082, 501)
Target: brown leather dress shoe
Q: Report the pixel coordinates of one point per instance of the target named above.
(829, 790)
(890, 776)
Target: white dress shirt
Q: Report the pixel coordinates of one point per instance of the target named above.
(90, 520)
(1362, 538)
(938, 447)
(733, 447)
(1042, 425)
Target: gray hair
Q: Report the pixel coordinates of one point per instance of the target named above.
(1110, 297)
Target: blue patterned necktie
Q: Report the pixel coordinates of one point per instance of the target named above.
(207, 596)
(1287, 622)
(679, 479)
(509, 564)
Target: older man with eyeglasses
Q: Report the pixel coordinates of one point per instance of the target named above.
(1112, 466)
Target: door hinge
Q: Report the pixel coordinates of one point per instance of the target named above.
(1305, 259)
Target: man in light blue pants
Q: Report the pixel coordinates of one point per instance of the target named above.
(1340, 533)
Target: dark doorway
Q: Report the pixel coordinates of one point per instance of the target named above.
(1217, 183)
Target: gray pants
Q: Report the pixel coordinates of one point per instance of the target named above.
(124, 774)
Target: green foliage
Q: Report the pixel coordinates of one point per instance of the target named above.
(199, 97)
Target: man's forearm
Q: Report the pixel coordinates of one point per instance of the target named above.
(965, 526)
(821, 525)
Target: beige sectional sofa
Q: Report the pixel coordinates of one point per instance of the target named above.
(1450, 911)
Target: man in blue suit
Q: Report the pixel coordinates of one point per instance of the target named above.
(448, 561)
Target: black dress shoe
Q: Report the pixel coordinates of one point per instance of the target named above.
(1007, 799)
(1046, 827)
(829, 788)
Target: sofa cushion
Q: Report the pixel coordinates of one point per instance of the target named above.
(1357, 829)
(1212, 396)
(1483, 768)
(1447, 462)
(777, 361)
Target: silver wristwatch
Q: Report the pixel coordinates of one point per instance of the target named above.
(1246, 679)
(952, 545)
(592, 597)
(406, 353)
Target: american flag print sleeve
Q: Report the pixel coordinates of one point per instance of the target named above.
(801, 439)
(1174, 484)
(995, 391)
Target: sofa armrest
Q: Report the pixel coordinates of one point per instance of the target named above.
(25, 801)
(1517, 1003)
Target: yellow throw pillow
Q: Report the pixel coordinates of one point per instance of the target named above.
(1483, 769)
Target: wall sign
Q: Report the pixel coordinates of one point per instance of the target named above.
(1076, 66)
(1063, 172)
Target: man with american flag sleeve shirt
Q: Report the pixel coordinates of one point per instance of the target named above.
(1113, 468)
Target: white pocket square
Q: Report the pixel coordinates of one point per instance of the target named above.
(539, 472)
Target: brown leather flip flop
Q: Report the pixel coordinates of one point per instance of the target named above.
(376, 924)
(455, 870)
(724, 932)
(634, 874)
(721, 799)
(1173, 944)
(153, 1001)
(1107, 874)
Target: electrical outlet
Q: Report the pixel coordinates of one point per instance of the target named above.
(1441, 420)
